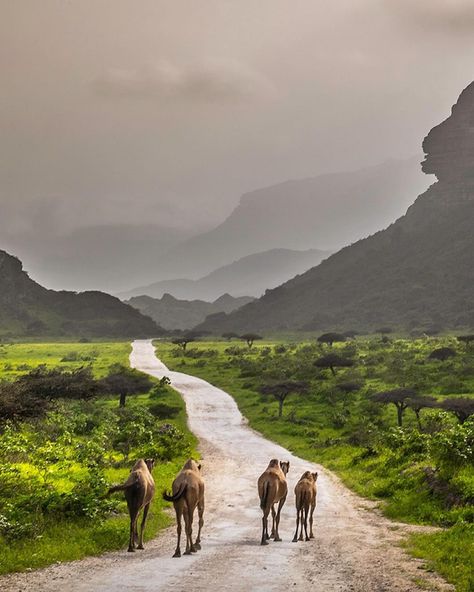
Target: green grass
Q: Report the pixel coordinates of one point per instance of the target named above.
(20, 358)
(309, 428)
(59, 539)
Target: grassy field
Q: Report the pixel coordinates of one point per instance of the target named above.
(55, 470)
(358, 438)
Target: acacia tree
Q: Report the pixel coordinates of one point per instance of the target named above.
(281, 390)
(468, 340)
(331, 337)
(399, 397)
(419, 402)
(183, 341)
(331, 361)
(249, 338)
(462, 407)
(229, 336)
(442, 354)
(125, 381)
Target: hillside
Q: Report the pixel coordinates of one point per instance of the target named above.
(417, 272)
(324, 212)
(251, 275)
(171, 313)
(28, 309)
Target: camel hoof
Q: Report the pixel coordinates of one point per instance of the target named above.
(197, 546)
(277, 540)
(141, 547)
(294, 541)
(131, 550)
(264, 542)
(177, 554)
(187, 553)
(311, 536)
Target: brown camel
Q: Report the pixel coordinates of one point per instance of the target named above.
(187, 494)
(139, 490)
(305, 492)
(272, 489)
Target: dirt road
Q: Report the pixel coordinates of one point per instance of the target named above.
(354, 550)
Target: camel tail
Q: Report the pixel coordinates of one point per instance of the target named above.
(177, 496)
(263, 499)
(131, 482)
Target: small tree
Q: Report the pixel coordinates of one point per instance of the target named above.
(351, 386)
(125, 381)
(281, 390)
(183, 341)
(331, 361)
(331, 338)
(442, 354)
(249, 338)
(399, 397)
(462, 407)
(468, 340)
(229, 336)
(419, 402)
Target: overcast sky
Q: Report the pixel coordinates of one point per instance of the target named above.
(165, 111)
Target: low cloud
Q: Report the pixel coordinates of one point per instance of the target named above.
(446, 16)
(207, 81)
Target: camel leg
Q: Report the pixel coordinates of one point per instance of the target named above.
(300, 538)
(197, 544)
(272, 536)
(142, 526)
(179, 511)
(311, 535)
(277, 519)
(133, 528)
(295, 538)
(265, 536)
(188, 525)
(306, 523)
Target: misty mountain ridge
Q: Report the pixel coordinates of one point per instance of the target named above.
(323, 212)
(28, 309)
(251, 276)
(417, 272)
(171, 313)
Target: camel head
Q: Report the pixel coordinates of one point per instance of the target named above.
(273, 463)
(285, 466)
(315, 477)
(192, 465)
(150, 463)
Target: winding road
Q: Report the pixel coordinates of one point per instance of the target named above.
(355, 549)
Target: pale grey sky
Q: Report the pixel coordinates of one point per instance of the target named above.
(165, 111)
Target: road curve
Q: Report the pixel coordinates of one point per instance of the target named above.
(355, 549)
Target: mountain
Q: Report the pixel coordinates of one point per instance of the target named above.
(94, 257)
(417, 272)
(171, 313)
(251, 275)
(28, 309)
(324, 212)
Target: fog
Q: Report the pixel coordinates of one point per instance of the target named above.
(163, 113)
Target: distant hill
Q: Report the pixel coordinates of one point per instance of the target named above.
(417, 272)
(324, 212)
(28, 309)
(251, 275)
(171, 313)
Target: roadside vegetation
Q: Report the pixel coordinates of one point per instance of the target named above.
(393, 417)
(73, 419)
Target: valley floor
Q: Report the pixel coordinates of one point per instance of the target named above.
(355, 549)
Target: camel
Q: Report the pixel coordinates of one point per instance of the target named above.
(139, 490)
(187, 494)
(272, 489)
(305, 492)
